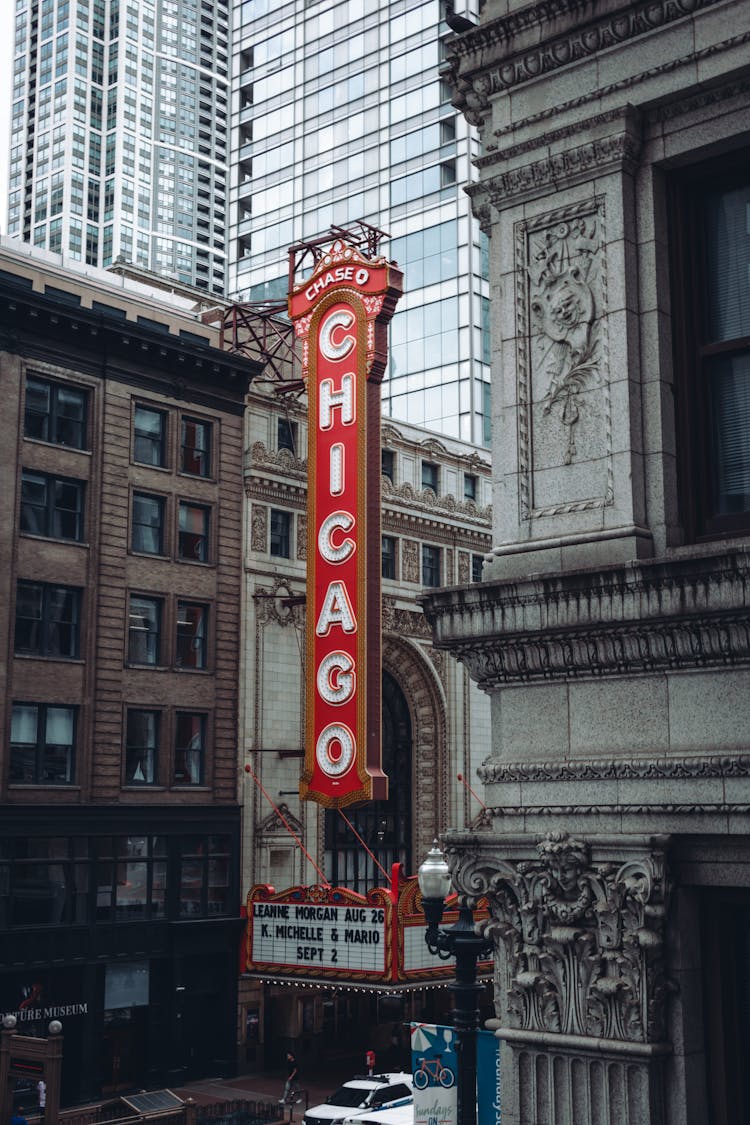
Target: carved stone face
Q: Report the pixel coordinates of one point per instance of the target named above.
(565, 870)
(565, 309)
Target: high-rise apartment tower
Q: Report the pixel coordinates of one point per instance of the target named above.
(119, 133)
(339, 113)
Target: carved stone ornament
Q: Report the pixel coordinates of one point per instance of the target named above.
(302, 536)
(584, 942)
(273, 825)
(562, 362)
(409, 560)
(259, 528)
(281, 461)
(280, 604)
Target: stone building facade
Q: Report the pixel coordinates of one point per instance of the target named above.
(612, 628)
(121, 444)
(436, 531)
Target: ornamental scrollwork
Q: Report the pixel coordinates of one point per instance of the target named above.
(564, 317)
(583, 941)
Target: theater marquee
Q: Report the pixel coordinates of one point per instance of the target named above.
(341, 313)
(331, 933)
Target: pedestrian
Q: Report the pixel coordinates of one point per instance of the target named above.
(41, 1091)
(396, 1045)
(19, 1117)
(292, 1076)
(370, 1062)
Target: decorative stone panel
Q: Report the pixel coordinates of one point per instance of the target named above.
(259, 528)
(565, 426)
(409, 560)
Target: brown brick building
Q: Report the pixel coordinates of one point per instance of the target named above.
(120, 584)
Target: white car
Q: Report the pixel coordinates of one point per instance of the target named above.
(396, 1115)
(359, 1097)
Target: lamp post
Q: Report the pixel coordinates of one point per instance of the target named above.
(459, 941)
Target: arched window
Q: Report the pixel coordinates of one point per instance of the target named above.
(385, 826)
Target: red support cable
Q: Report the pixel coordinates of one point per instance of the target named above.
(285, 822)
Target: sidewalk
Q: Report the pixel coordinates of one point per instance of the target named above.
(268, 1087)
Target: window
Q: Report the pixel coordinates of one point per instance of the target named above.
(286, 434)
(281, 526)
(147, 533)
(51, 506)
(710, 244)
(476, 568)
(195, 447)
(47, 619)
(430, 565)
(470, 486)
(204, 876)
(144, 630)
(193, 532)
(131, 883)
(387, 459)
(189, 748)
(192, 633)
(141, 747)
(55, 412)
(388, 557)
(149, 436)
(42, 742)
(430, 476)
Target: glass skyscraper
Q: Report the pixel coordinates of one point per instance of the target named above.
(339, 114)
(119, 133)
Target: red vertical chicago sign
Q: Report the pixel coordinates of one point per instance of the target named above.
(341, 313)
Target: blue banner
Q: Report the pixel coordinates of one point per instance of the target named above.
(488, 1078)
(434, 1067)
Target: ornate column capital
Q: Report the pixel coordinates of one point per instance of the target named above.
(578, 929)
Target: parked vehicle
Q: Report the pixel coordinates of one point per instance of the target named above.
(359, 1097)
(396, 1115)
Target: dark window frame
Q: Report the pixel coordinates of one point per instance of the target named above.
(50, 511)
(194, 546)
(280, 541)
(136, 634)
(143, 440)
(46, 623)
(138, 749)
(431, 476)
(388, 464)
(471, 486)
(687, 191)
(202, 457)
(41, 746)
(161, 501)
(431, 565)
(287, 434)
(477, 562)
(195, 641)
(388, 554)
(54, 417)
(179, 770)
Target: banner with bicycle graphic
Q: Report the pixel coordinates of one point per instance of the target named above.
(434, 1067)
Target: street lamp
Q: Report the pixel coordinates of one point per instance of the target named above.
(459, 941)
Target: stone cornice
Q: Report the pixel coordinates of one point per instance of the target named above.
(649, 616)
(427, 504)
(264, 467)
(527, 44)
(572, 164)
(494, 771)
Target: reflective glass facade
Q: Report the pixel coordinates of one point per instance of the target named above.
(339, 114)
(119, 133)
